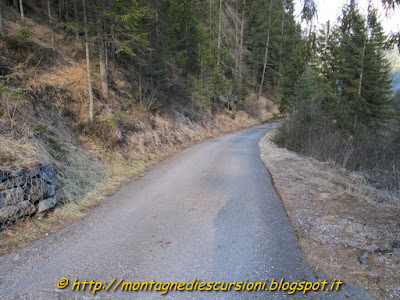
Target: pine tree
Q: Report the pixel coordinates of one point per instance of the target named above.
(349, 60)
(391, 3)
(291, 62)
(375, 86)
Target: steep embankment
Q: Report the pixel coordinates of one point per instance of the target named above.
(43, 119)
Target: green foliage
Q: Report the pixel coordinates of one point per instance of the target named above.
(342, 103)
(285, 61)
(127, 24)
(391, 3)
(200, 95)
(309, 10)
(279, 138)
(351, 74)
(23, 35)
(120, 119)
(40, 128)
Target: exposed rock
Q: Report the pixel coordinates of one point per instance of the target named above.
(48, 203)
(49, 190)
(4, 175)
(48, 175)
(36, 189)
(12, 182)
(11, 196)
(24, 192)
(14, 212)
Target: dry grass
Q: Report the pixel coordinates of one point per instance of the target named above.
(261, 108)
(170, 136)
(82, 173)
(68, 76)
(17, 154)
(89, 170)
(337, 217)
(38, 226)
(40, 31)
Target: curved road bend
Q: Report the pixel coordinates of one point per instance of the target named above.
(210, 212)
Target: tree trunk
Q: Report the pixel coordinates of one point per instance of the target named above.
(266, 50)
(103, 64)
(53, 44)
(362, 69)
(60, 9)
(113, 58)
(210, 25)
(21, 10)
(66, 10)
(140, 84)
(106, 53)
(157, 20)
(102, 52)
(186, 51)
(279, 65)
(219, 33)
(236, 50)
(89, 79)
(76, 18)
(15, 3)
(2, 31)
(255, 77)
(241, 50)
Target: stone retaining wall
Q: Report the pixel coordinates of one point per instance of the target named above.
(24, 193)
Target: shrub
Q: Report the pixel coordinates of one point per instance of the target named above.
(23, 35)
(363, 150)
(103, 131)
(20, 39)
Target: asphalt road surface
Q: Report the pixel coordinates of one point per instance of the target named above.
(209, 213)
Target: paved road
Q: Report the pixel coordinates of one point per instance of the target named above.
(210, 213)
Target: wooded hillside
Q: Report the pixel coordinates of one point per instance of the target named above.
(112, 68)
(343, 109)
(186, 53)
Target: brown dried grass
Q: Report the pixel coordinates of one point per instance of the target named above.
(17, 154)
(261, 108)
(337, 217)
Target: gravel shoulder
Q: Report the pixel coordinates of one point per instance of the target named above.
(346, 228)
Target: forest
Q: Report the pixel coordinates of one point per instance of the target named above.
(291, 132)
(343, 108)
(196, 57)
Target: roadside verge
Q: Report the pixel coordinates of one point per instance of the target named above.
(347, 229)
(146, 149)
